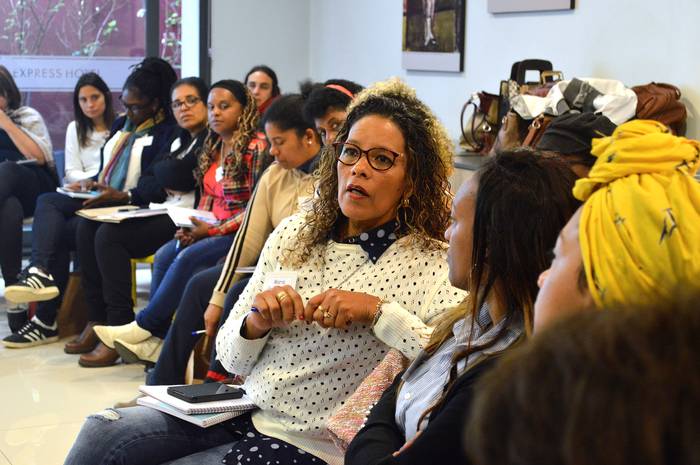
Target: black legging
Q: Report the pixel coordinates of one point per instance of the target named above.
(19, 188)
(105, 251)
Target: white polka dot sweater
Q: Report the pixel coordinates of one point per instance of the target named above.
(299, 375)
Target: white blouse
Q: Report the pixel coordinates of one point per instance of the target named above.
(82, 162)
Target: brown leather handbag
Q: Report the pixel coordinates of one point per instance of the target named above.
(479, 131)
(661, 102)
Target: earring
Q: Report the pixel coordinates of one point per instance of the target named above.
(405, 202)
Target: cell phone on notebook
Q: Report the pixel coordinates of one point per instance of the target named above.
(208, 392)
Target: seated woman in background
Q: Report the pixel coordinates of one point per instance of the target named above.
(116, 244)
(230, 165)
(610, 388)
(262, 83)
(26, 170)
(326, 105)
(634, 241)
(282, 188)
(142, 133)
(371, 275)
(418, 418)
(85, 135)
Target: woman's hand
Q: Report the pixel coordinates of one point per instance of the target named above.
(108, 195)
(200, 230)
(277, 307)
(212, 316)
(184, 237)
(338, 309)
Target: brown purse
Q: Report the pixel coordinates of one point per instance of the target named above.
(661, 102)
(479, 131)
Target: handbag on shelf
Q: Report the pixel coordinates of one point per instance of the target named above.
(536, 129)
(661, 102)
(479, 131)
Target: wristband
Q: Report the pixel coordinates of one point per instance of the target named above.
(377, 312)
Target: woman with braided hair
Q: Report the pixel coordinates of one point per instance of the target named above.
(231, 161)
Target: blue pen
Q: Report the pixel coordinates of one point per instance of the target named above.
(197, 333)
(254, 309)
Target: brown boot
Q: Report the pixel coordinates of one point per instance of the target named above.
(101, 356)
(86, 342)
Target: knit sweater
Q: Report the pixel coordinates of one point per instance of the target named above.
(300, 374)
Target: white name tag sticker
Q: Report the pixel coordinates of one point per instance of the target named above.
(280, 278)
(219, 174)
(146, 141)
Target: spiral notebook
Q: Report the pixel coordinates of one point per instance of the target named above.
(160, 393)
(203, 420)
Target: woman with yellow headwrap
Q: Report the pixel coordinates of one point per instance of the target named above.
(636, 239)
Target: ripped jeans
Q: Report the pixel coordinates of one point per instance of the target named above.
(143, 436)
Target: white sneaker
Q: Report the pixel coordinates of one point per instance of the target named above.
(131, 333)
(146, 352)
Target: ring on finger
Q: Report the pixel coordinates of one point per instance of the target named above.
(281, 296)
(327, 315)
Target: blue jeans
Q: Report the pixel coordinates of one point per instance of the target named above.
(143, 436)
(179, 342)
(172, 268)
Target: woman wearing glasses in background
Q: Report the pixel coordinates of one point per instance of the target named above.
(125, 177)
(371, 275)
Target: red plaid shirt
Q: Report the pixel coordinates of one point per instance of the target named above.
(237, 188)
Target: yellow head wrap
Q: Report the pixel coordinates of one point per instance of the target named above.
(640, 225)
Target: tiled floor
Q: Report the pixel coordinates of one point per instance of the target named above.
(45, 396)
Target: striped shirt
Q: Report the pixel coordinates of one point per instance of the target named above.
(426, 378)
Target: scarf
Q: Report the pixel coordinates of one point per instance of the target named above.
(116, 170)
(640, 224)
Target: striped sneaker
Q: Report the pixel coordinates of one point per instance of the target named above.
(34, 285)
(33, 333)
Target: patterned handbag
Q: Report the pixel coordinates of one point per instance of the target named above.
(351, 417)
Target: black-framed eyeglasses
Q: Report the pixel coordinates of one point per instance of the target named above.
(379, 158)
(189, 102)
(134, 107)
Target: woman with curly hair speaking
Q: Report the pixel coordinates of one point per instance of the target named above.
(365, 272)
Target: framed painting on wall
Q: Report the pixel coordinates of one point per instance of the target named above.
(433, 35)
(516, 6)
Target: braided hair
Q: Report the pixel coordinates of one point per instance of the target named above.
(153, 78)
(246, 131)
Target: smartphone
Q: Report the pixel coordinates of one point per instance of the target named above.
(206, 392)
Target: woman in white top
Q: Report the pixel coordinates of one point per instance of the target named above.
(26, 170)
(94, 115)
(366, 272)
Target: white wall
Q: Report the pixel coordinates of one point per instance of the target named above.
(635, 41)
(246, 33)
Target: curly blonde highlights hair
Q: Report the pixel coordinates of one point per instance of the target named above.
(424, 212)
(245, 132)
